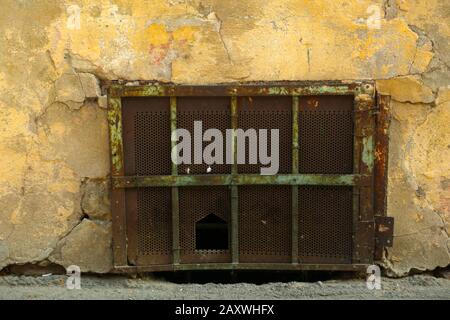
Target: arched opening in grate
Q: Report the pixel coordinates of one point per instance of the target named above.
(211, 233)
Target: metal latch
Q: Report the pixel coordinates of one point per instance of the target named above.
(384, 231)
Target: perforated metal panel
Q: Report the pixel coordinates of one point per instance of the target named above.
(147, 147)
(326, 134)
(265, 211)
(268, 113)
(154, 224)
(325, 146)
(265, 223)
(150, 151)
(213, 112)
(195, 204)
(146, 130)
(325, 224)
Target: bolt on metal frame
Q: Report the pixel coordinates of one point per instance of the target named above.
(370, 153)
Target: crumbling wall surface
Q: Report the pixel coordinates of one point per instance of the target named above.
(53, 130)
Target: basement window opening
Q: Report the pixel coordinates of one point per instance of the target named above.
(323, 209)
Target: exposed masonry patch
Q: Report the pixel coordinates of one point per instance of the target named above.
(408, 89)
(423, 39)
(423, 42)
(437, 72)
(73, 90)
(97, 216)
(95, 202)
(83, 245)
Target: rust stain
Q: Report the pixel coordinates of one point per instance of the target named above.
(382, 228)
(314, 103)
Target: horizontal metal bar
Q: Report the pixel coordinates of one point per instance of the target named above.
(243, 179)
(299, 89)
(241, 266)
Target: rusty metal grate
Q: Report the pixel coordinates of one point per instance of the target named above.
(265, 211)
(196, 203)
(146, 133)
(316, 213)
(214, 112)
(147, 149)
(154, 222)
(265, 223)
(325, 224)
(150, 152)
(268, 113)
(326, 135)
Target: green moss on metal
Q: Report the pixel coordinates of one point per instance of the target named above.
(115, 134)
(308, 90)
(368, 152)
(242, 179)
(278, 91)
(153, 90)
(145, 91)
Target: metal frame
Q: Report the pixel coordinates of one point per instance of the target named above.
(370, 133)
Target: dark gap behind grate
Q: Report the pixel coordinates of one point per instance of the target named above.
(211, 233)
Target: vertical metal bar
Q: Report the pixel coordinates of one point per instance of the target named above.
(131, 194)
(175, 198)
(364, 225)
(295, 212)
(117, 169)
(381, 164)
(367, 224)
(234, 188)
(381, 151)
(356, 159)
(356, 137)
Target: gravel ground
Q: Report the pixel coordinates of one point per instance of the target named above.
(122, 287)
